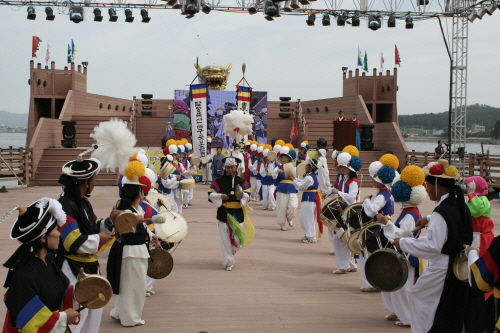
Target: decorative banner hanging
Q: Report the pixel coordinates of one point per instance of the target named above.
(244, 98)
(198, 94)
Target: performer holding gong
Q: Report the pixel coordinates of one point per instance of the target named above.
(39, 295)
(223, 194)
(438, 300)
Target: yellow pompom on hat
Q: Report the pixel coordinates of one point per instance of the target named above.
(134, 168)
(268, 146)
(413, 175)
(133, 157)
(289, 145)
(171, 142)
(184, 141)
(280, 142)
(390, 160)
(352, 150)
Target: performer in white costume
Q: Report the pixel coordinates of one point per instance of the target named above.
(323, 172)
(206, 169)
(268, 183)
(286, 193)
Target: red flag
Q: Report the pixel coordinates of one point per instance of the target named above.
(397, 58)
(34, 46)
(294, 132)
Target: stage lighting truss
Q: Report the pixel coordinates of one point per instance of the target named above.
(407, 11)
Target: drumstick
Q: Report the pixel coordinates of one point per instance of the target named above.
(99, 297)
(168, 210)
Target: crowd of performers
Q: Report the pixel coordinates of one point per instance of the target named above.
(40, 288)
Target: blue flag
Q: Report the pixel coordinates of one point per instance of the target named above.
(170, 127)
(360, 58)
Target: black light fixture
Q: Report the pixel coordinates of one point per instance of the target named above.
(423, 2)
(97, 15)
(129, 18)
(171, 2)
(409, 22)
(31, 13)
(112, 15)
(76, 13)
(206, 8)
(310, 19)
(490, 9)
(341, 20)
(344, 70)
(286, 7)
(294, 4)
(270, 9)
(50, 14)
(191, 7)
(85, 64)
(325, 20)
(374, 22)
(269, 18)
(391, 22)
(252, 10)
(304, 2)
(145, 16)
(355, 21)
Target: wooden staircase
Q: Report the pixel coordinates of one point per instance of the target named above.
(50, 168)
(85, 126)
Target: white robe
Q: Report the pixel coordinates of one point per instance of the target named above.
(323, 174)
(307, 215)
(286, 204)
(426, 293)
(342, 253)
(206, 169)
(398, 302)
(171, 183)
(268, 200)
(253, 180)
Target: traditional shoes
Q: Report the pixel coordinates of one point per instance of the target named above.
(392, 317)
(339, 271)
(352, 270)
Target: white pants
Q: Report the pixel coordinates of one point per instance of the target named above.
(253, 187)
(424, 298)
(268, 200)
(206, 173)
(130, 302)
(149, 280)
(286, 207)
(342, 253)
(187, 195)
(398, 302)
(307, 217)
(228, 250)
(258, 183)
(173, 204)
(177, 197)
(362, 275)
(90, 320)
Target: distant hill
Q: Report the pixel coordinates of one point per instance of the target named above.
(476, 114)
(13, 119)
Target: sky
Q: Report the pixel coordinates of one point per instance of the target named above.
(284, 57)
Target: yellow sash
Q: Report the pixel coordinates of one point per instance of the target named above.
(232, 205)
(286, 181)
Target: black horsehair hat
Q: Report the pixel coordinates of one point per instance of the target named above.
(37, 219)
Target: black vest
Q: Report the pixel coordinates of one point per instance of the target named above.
(225, 187)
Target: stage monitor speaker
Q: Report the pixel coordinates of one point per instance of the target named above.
(147, 96)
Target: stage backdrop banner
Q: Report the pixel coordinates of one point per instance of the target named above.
(244, 98)
(198, 96)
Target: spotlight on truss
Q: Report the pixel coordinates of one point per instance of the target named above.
(252, 10)
(391, 22)
(76, 13)
(355, 21)
(97, 15)
(409, 22)
(326, 20)
(129, 18)
(145, 16)
(31, 13)
(490, 9)
(206, 8)
(341, 20)
(310, 19)
(294, 4)
(374, 22)
(50, 14)
(112, 15)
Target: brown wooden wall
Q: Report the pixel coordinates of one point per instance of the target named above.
(150, 130)
(48, 133)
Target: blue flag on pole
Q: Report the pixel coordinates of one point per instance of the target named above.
(170, 127)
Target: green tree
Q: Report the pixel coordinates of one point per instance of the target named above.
(496, 130)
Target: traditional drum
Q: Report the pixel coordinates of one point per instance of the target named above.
(153, 198)
(166, 170)
(372, 237)
(354, 218)
(331, 212)
(172, 232)
(387, 270)
(195, 160)
(301, 170)
(272, 156)
(353, 243)
(125, 222)
(461, 267)
(187, 184)
(289, 170)
(93, 291)
(205, 160)
(160, 264)
(190, 173)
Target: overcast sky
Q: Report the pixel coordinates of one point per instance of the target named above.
(284, 57)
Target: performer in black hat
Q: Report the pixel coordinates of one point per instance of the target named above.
(38, 290)
(83, 234)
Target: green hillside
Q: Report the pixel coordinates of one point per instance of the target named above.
(476, 114)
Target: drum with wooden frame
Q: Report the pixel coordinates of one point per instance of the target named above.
(353, 244)
(331, 212)
(160, 264)
(172, 231)
(195, 160)
(125, 222)
(93, 291)
(166, 170)
(301, 170)
(187, 184)
(205, 160)
(354, 219)
(153, 198)
(387, 270)
(272, 156)
(289, 170)
(372, 238)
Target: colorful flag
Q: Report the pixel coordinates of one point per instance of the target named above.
(69, 55)
(382, 61)
(198, 94)
(244, 98)
(360, 58)
(34, 46)
(170, 127)
(397, 58)
(365, 62)
(47, 56)
(294, 132)
(73, 51)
